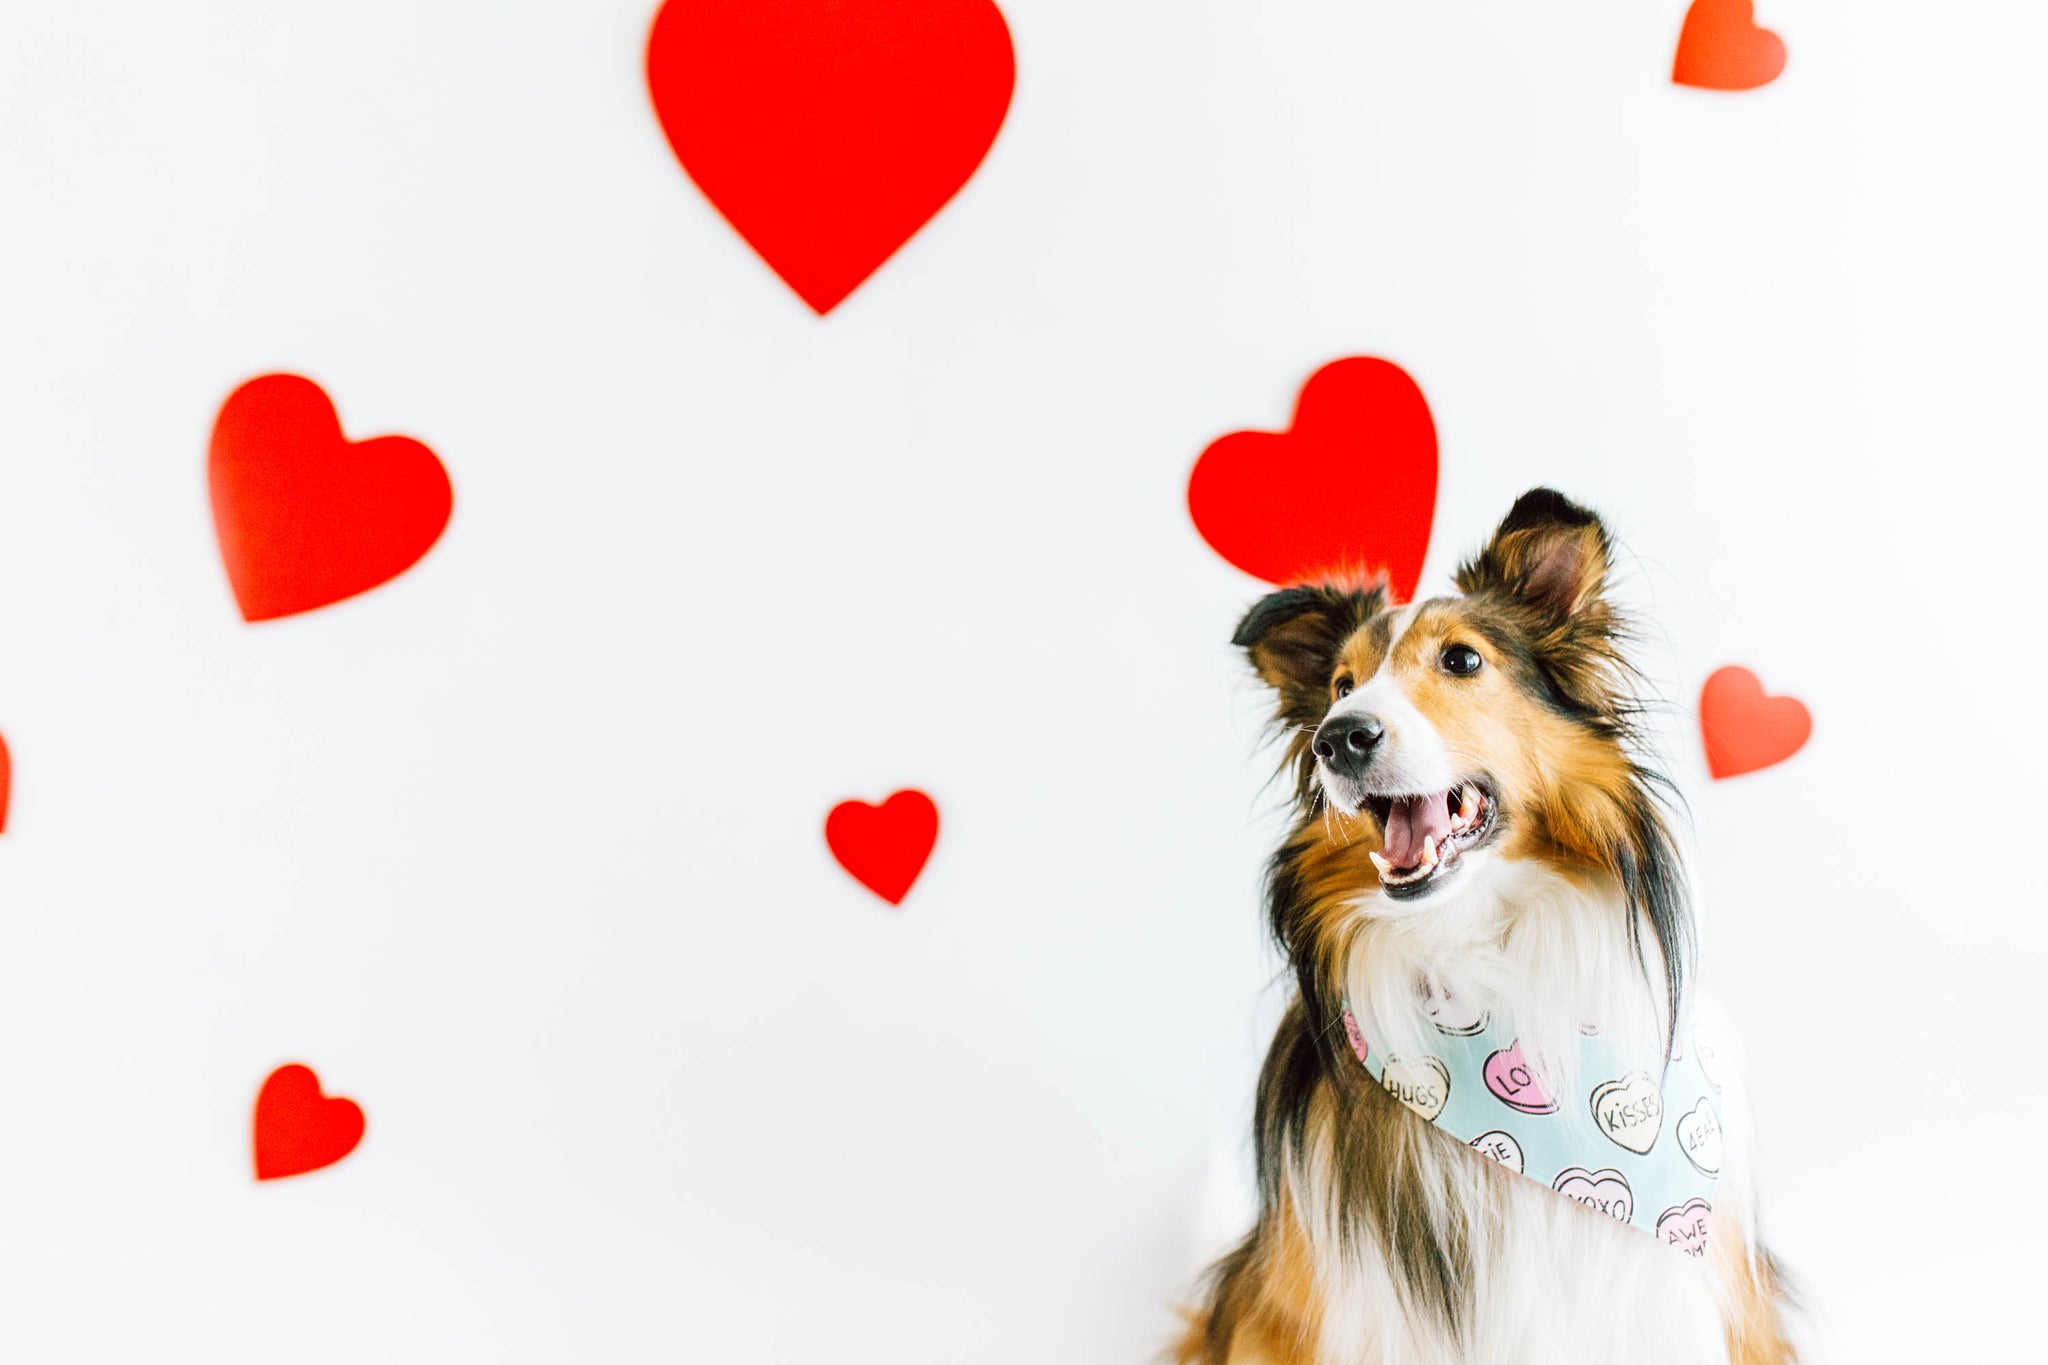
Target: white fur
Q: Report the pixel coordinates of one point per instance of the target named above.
(1553, 1281)
(1412, 759)
(1550, 953)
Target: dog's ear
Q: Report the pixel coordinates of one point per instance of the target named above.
(1292, 638)
(1550, 555)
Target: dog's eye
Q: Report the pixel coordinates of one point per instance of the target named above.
(1343, 688)
(1462, 660)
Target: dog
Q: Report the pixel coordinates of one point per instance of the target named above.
(1479, 842)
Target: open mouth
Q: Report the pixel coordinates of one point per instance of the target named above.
(1427, 835)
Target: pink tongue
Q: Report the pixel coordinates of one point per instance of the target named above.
(1410, 822)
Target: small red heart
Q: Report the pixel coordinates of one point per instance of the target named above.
(1350, 485)
(829, 131)
(1721, 47)
(6, 782)
(298, 1129)
(1743, 728)
(885, 846)
(306, 517)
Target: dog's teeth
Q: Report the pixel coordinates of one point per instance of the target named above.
(1468, 805)
(1428, 853)
(1386, 869)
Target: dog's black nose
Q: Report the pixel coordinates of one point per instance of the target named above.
(1345, 743)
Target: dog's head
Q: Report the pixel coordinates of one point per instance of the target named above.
(1432, 739)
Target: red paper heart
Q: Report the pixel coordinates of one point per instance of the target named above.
(829, 131)
(298, 1129)
(306, 517)
(1743, 728)
(1350, 485)
(1720, 47)
(6, 782)
(885, 846)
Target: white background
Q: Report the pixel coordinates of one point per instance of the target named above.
(523, 851)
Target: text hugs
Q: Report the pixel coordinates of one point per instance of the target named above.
(1421, 1083)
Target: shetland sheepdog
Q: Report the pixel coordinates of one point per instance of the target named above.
(1475, 818)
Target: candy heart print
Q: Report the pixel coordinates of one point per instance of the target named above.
(829, 131)
(1699, 1137)
(1515, 1083)
(1421, 1083)
(1721, 47)
(1349, 487)
(1501, 1146)
(1630, 1111)
(305, 517)
(1355, 1036)
(1605, 1189)
(298, 1129)
(1708, 1053)
(885, 847)
(1451, 1015)
(1743, 729)
(1686, 1226)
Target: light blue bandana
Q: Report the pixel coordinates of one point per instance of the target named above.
(1641, 1144)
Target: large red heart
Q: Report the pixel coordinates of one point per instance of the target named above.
(6, 782)
(1350, 486)
(1720, 47)
(1744, 729)
(305, 517)
(298, 1129)
(829, 131)
(885, 846)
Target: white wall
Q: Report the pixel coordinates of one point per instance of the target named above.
(521, 853)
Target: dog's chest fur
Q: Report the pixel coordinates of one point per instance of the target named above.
(1509, 1270)
(1549, 1280)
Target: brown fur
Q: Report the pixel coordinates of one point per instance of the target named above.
(1268, 1314)
(1756, 1322)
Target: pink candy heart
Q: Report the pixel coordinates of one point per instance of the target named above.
(1515, 1083)
(1685, 1227)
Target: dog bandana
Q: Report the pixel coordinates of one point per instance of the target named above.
(1641, 1144)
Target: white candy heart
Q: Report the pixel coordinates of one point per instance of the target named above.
(1421, 1083)
(1708, 1056)
(1450, 1014)
(1502, 1147)
(1630, 1111)
(1605, 1190)
(1699, 1137)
